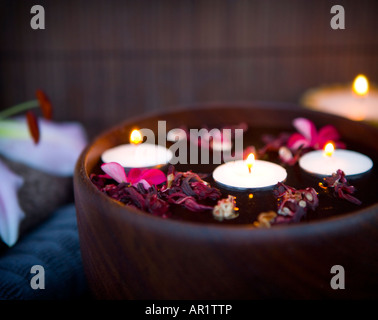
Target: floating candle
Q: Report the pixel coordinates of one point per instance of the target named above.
(328, 161)
(358, 101)
(138, 154)
(249, 174)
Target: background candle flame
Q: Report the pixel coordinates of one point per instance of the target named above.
(136, 137)
(329, 149)
(361, 85)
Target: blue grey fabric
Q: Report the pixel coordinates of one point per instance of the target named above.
(54, 245)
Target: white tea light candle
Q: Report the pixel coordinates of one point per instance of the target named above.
(249, 174)
(137, 154)
(327, 161)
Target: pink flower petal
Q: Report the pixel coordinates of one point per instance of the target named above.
(105, 176)
(326, 134)
(115, 170)
(134, 175)
(154, 176)
(296, 141)
(306, 128)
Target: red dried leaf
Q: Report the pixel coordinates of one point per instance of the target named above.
(189, 184)
(182, 188)
(188, 202)
(341, 187)
(203, 191)
(293, 204)
(156, 206)
(192, 205)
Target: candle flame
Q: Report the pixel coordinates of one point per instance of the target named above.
(136, 137)
(329, 149)
(250, 161)
(361, 85)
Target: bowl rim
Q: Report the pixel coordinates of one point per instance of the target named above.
(347, 220)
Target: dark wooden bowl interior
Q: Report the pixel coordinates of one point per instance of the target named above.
(129, 254)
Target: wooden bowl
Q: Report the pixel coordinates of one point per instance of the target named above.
(129, 254)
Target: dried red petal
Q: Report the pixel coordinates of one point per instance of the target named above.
(33, 126)
(203, 191)
(190, 184)
(293, 204)
(181, 188)
(311, 197)
(350, 198)
(100, 181)
(45, 104)
(342, 189)
(192, 205)
(186, 188)
(156, 206)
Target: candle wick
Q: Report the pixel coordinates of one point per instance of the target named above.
(249, 168)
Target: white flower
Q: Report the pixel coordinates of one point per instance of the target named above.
(57, 151)
(10, 211)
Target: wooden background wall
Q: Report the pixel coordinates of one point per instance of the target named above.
(103, 61)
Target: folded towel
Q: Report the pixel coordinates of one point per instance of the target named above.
(54, 245)
(41, 193)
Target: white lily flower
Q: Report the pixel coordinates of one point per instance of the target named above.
(57, 151)
(40, 144)
(10, 211)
